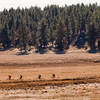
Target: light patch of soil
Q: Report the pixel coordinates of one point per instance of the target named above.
(70, 92)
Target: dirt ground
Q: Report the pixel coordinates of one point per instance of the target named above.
(77, 76)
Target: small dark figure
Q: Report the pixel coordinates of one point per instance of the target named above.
(86, 48)
(21, 77)
(53, 75)
(9, 77)
(39, 76)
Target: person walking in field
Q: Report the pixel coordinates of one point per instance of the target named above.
(53, 76)
(39, 76)
(21, 77)
(9, 77)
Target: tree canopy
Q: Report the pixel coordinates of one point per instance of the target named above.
(53, 27)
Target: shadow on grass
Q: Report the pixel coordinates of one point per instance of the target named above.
(93, 51)
(5, 49)
(42, 51)
(59, 52)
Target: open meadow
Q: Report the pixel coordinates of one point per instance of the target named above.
(77, 76)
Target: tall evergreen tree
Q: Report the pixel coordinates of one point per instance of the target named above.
(92, 36)
(42, 36)
(61, 36)
(5, 37)
(23, 37)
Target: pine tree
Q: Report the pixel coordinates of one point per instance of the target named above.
(61, 38)
(92, 37)
(5, 37)
(23, 37)
(42, 36)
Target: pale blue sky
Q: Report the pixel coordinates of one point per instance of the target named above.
(41, 3)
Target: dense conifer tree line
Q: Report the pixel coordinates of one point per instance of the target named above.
(53, 27)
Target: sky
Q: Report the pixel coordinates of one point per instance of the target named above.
(40, 3)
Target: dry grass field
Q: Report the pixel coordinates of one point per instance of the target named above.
(77, 76)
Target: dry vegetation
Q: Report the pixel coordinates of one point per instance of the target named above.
(77, 76)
